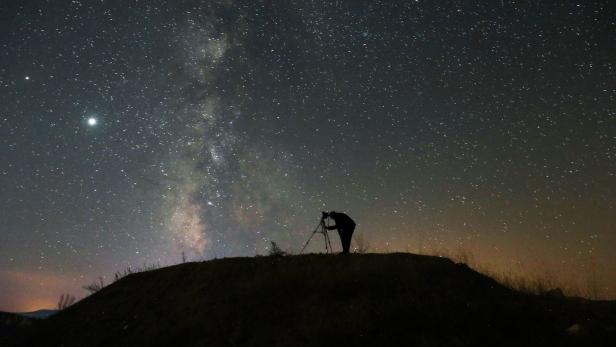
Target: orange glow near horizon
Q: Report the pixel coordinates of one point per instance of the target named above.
(26, 291)
(524, 259)
(582, 275)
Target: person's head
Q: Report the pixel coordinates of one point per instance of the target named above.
(324, 214)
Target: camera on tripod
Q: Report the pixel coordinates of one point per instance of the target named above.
(324, 215)
(321, 229)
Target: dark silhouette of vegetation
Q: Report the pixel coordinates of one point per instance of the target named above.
(65, 301)
(95, 286)
(362, 246)
(129, 270)
(276, 251)
(541, 283)
(100, 284)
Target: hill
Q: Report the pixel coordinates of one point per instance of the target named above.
(40, 314)
(380, 299)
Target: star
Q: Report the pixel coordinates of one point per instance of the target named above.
(92, 121)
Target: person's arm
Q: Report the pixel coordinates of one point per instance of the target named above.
(331, 227)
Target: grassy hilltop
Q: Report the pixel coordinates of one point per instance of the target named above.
(379, 299)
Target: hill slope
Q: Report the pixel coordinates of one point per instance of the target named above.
(322, 300)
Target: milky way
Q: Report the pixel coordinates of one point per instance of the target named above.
(139, 133)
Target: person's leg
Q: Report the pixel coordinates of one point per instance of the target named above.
(341, 234)
(350, 236)
(345, 238)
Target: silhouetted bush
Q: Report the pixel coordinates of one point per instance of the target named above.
(65, 301)
(95, 286)
(276, 251)
(362, 246)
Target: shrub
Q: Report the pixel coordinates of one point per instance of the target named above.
(362, 246)
(65, 301)
(95, 286)
(276, 251)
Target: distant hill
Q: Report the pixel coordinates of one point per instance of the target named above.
(40, 314)
(318, 300)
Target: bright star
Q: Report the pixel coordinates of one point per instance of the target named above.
(92, 121)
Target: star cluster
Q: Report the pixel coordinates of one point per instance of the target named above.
(141, 132)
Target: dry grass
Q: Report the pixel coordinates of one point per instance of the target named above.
(538, 282)
(527, 279)
(100, 284)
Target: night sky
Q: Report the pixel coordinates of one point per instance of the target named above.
(134, 131)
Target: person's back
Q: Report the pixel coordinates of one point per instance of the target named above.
(342, 219)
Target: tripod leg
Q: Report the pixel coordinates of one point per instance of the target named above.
(306, 244)
(325, 238)
(319, 226)
(328, 243)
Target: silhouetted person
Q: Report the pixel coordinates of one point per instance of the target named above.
(345, 226)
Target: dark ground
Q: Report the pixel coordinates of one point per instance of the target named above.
(318, 300)
(11, 323)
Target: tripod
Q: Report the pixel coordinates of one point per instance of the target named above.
(322, 229)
